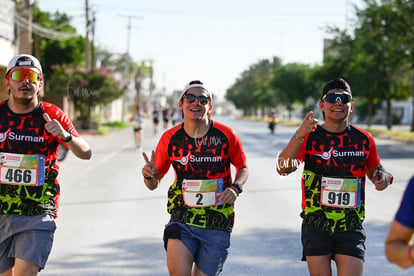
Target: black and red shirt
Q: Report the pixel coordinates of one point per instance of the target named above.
(201, 165)
(334, 176)
(24, 136)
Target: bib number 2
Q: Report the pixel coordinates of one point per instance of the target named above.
(202, 193)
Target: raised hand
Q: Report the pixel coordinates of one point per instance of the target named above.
(309, 124)
(149, 170)
(53, 126)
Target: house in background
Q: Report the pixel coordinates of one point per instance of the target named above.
(7, 39)
(402, 112)
(16, 37)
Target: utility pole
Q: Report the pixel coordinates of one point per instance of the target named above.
(126, 57)
(88, 22)
(24, 9)
(129, 32)
(93, 40)
(126, 68)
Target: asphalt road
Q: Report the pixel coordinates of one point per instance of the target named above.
(111, 224)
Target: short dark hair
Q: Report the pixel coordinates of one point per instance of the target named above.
(195, 82)
(338, 83)
(191, 84)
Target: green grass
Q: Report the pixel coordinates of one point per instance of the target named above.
(404, 136)
(115, 124)
(105, 128)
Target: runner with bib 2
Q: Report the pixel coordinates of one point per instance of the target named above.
(201, 198)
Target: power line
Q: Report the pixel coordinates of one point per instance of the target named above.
(41, 31)
(129, 29)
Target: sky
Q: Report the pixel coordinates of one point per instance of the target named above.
(213, 41)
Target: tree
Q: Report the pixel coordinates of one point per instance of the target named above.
(372, 60)
(292, 84)
(376, 58)
(55, 49)
(240, 93)
(86, 88)
(345, 58)
(62, 61)
(405, 26)
(252, 89)
(379, 39)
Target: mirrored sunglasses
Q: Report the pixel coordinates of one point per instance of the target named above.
(20, 74)
(344, 98)
(190, 98)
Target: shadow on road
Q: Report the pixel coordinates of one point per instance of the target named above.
(397, 150)
(123, 257)
(256, 252)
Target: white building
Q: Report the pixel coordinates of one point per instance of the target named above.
(402, 111)
(7, 39)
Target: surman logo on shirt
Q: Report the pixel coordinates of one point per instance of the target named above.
(184, 160)
(334, 153)
(19, 137)
(326, 155)
(3, 136)
(198, 159)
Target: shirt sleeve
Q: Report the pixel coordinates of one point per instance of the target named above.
(237, 155)
(405, 213)
(162, 160)
(373, 158)
(55, 112)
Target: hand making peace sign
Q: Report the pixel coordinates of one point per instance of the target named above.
(149, 170)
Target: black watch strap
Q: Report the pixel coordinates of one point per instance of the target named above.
(237, 187)
(68, 139)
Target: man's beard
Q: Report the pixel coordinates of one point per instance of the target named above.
(23, 101)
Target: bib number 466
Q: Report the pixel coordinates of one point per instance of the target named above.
(18, 176)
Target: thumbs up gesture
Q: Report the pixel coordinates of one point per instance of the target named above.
(54, 127)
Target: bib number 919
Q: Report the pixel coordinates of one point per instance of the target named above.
(338, 199)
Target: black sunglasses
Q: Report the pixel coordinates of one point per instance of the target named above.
(344, 98)
(190, 98)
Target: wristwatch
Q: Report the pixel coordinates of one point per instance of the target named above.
(68, 139)
(237, 187)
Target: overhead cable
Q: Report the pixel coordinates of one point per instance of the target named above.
(42, 31)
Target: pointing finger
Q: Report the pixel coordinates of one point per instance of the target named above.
(309, 115)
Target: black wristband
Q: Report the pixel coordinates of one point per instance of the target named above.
(237, 187)
(68, 139)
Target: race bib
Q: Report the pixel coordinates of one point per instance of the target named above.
(341, 192)
(202, 193)
(22, 169)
